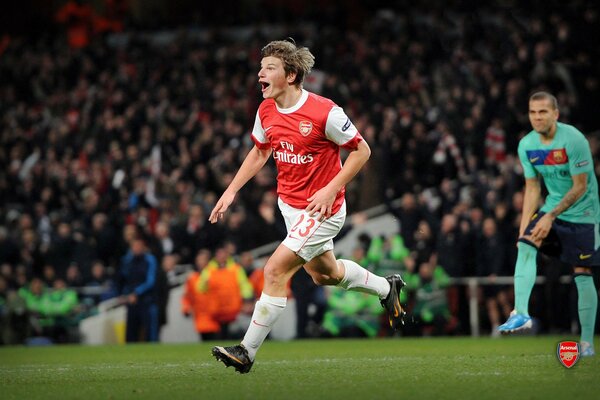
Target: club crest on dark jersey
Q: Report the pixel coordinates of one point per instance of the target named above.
(305, 128)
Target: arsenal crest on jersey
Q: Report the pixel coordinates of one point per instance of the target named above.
(305, 127)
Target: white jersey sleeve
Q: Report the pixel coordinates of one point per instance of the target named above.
(339, 129)
(258, 132)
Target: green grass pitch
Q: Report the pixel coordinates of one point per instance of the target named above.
(398, 368)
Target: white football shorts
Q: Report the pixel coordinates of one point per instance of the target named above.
(307, 236)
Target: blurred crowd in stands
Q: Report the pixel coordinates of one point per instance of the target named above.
(135, 134)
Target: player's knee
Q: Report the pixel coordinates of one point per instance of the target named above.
(579, 270)
(274, 275)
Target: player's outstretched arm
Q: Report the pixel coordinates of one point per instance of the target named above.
(253, 162)
(321, 201)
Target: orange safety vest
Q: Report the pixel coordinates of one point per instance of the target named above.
(199, 305)
(227, 287)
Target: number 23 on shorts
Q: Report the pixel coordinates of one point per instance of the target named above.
(304, 227)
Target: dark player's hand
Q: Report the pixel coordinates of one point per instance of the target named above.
(542, 228)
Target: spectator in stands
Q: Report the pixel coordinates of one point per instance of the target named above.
(351, 314)
(424, 242)
(137, 286)
(9, 252)
(386, 255)
(247, 261)
(21, 276)
(32, 253)
(165, 241)
(409, 215)
(14, 317)
(35, 299)
(73, 276)
(101, 286)
(271, 223)
(49, 275)
(450, 255)
(490, 252)
(495, 144)
(240, 229)
(165, 280)
(6, 326)
(105, 238)
(449, 246)
(6, 272)
(61, 248)
(62, 310)
(308, 296)
(431, 300)
(195, 233)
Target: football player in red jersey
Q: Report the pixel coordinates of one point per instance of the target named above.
(304, 132)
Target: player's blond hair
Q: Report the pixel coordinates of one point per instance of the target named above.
(545, 96)
(295, 59)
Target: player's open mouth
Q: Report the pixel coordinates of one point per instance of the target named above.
(264, 85)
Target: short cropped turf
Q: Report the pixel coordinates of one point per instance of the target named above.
(396, 368)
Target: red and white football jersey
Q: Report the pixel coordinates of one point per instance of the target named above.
(306, 141)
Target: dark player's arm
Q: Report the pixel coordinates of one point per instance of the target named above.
(531, 201)
(577, 190)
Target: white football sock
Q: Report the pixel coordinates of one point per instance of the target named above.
(359, 279)
(266, 311)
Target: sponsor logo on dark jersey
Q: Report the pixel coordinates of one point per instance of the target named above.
(548, 157)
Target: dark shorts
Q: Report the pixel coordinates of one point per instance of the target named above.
(572, 243)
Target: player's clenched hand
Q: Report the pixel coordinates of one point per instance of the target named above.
(221, 206)
(542, 228)
(321, 203)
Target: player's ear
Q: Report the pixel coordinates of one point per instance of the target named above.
(291, 77)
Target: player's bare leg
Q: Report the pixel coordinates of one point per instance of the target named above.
(279, 269)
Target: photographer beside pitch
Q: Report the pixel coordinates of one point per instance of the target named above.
(567, 225)
(304, 133)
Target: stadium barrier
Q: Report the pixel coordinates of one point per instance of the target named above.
(108, 325)
(473, 282)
